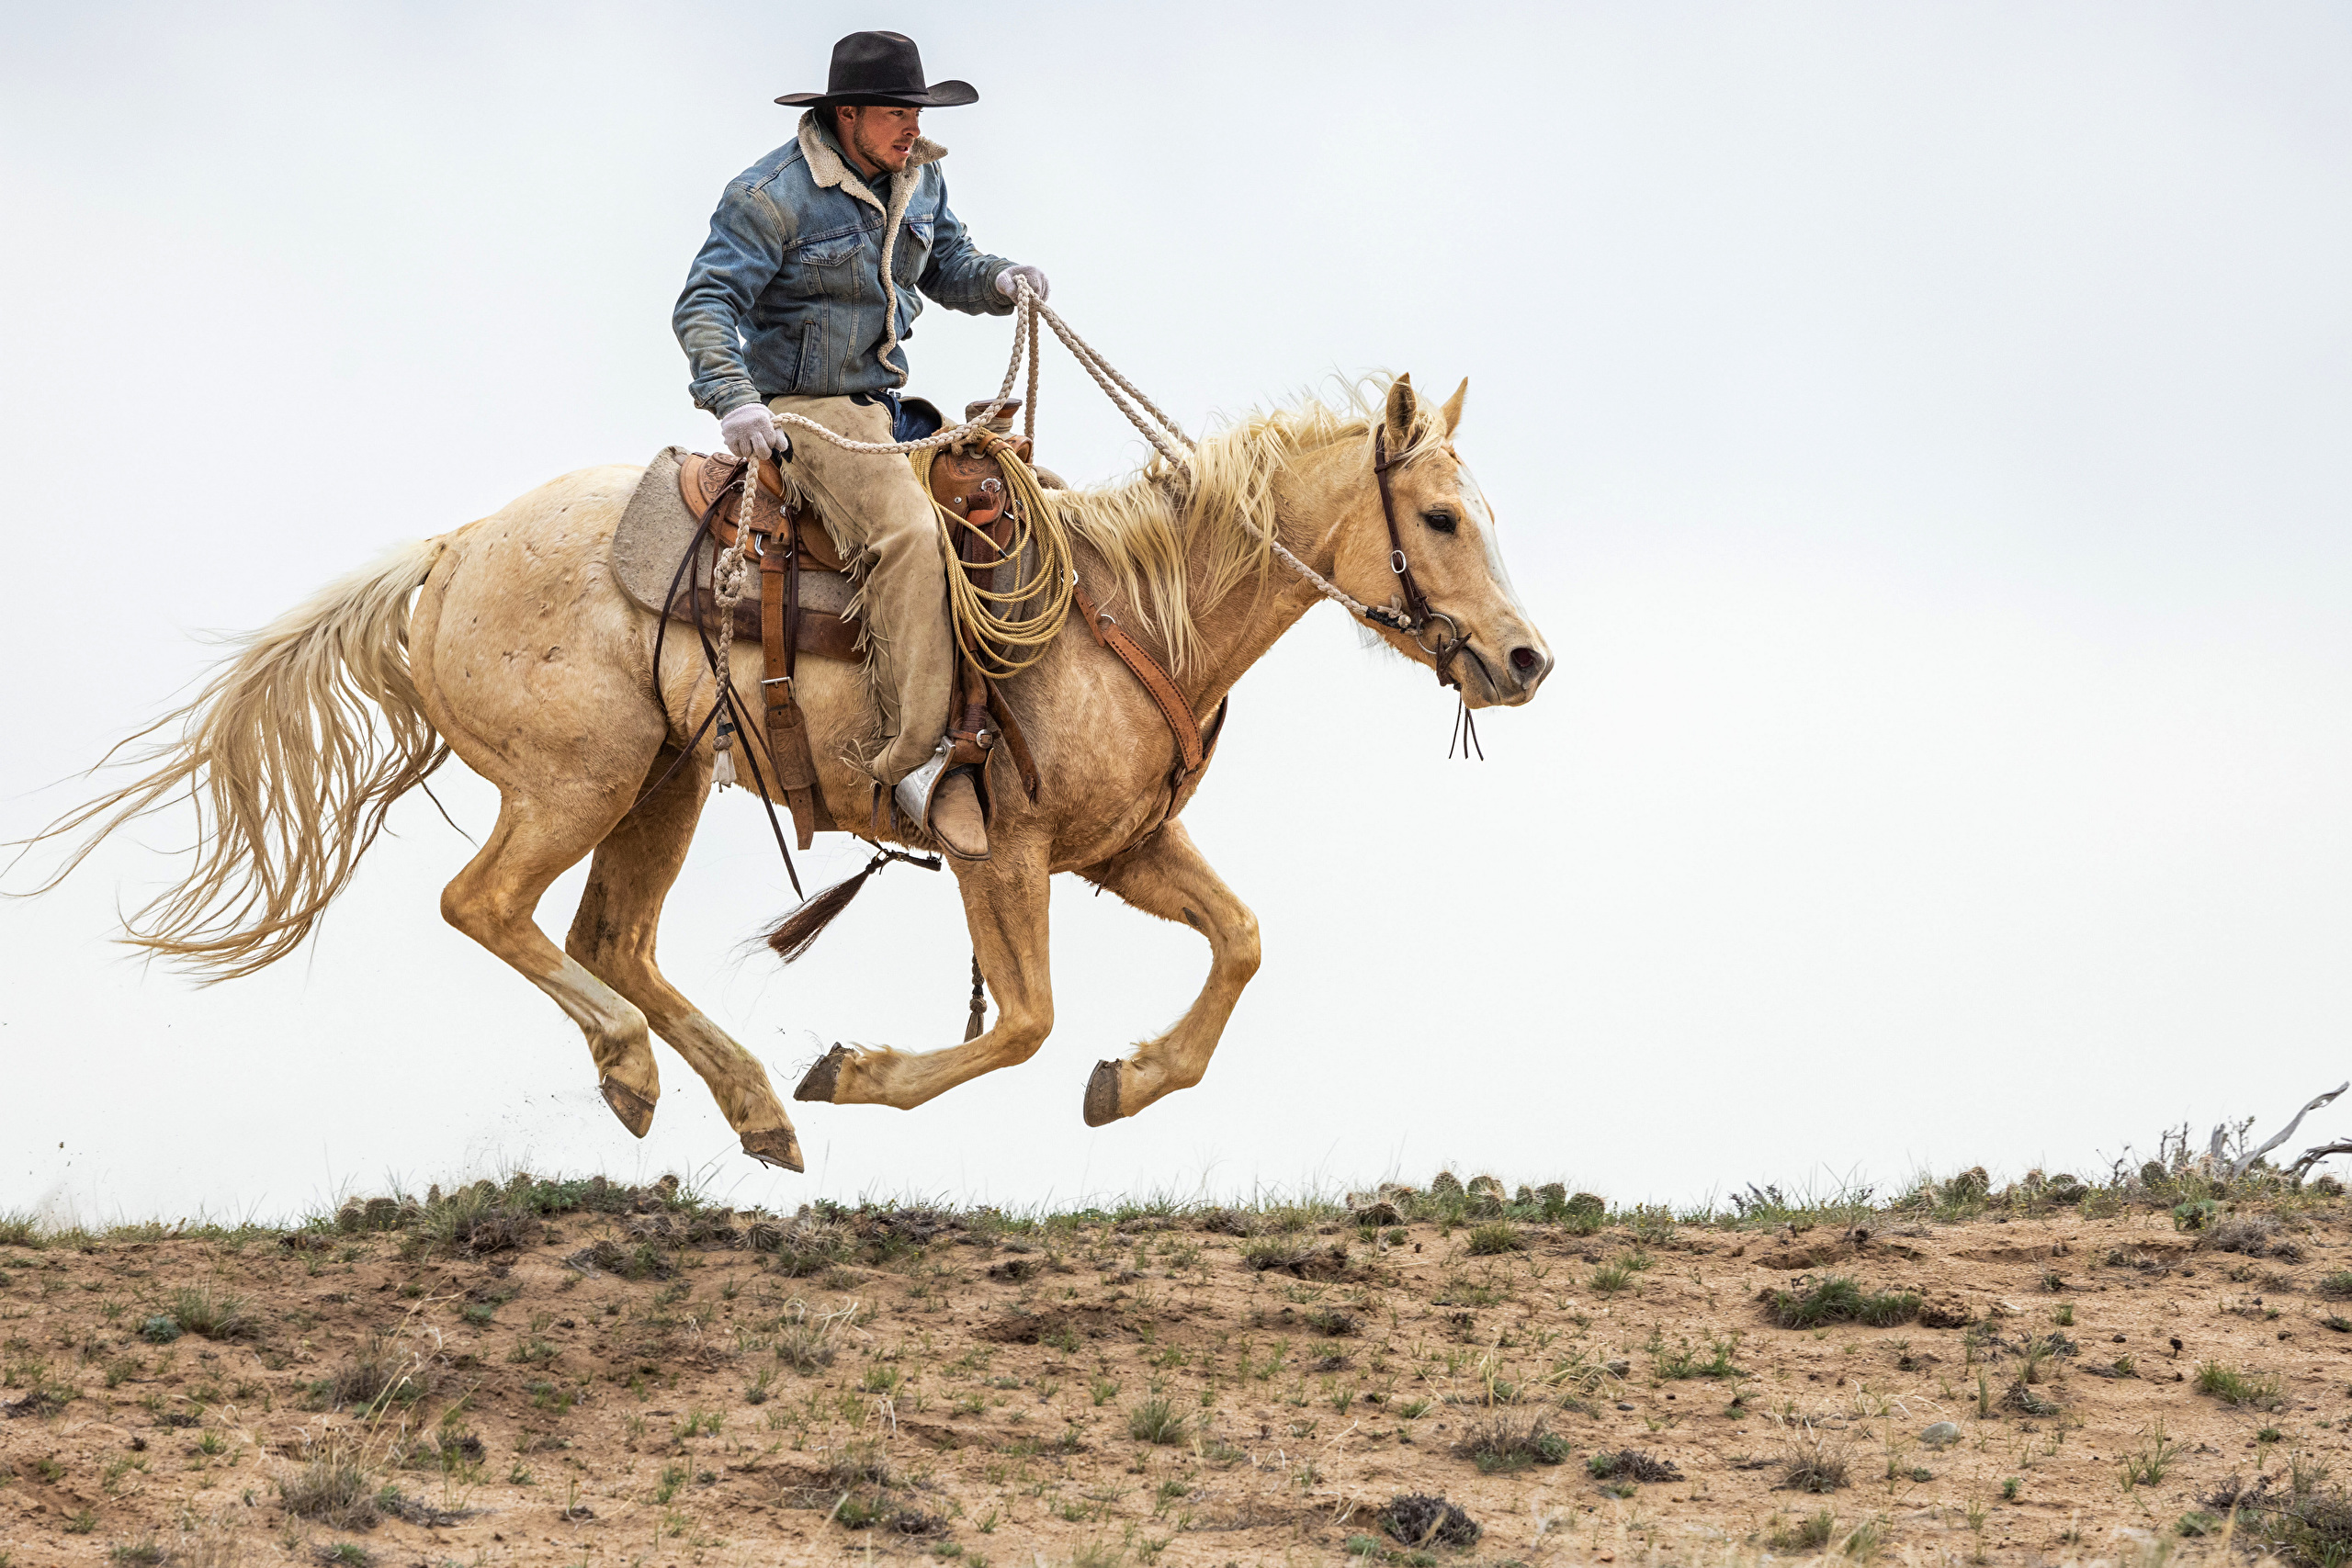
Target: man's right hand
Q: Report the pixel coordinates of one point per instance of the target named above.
(751, 432)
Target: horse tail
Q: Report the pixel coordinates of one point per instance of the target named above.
(290, 772)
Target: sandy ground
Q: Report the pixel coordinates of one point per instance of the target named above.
(568, 1414)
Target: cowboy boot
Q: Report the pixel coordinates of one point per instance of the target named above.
(944, 800)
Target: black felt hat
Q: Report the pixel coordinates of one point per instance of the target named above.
(884, 68)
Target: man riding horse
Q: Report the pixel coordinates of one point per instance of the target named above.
(801, 301)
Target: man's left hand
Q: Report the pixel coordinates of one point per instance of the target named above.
(1030, 275)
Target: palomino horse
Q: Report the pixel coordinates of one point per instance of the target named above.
(522, 655)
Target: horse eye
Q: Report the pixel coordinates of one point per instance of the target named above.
(1439, 521)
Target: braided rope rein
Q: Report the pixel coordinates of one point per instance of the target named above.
(731, 581)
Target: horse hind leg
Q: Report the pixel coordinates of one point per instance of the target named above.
(1165, 876)
(613, 934)
(537, 838)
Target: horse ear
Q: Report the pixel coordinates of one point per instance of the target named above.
(1402, 407)
(1452, 412)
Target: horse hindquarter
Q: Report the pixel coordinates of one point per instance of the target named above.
(536, 669)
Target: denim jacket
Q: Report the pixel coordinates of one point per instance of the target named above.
(792, 269)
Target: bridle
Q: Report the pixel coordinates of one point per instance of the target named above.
(1415, 619)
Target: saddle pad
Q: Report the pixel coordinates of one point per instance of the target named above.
(653, 534)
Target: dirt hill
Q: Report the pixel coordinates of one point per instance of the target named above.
(569, 1372)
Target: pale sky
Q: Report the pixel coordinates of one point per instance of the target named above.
(1921, 433)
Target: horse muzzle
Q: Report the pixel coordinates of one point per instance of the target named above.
(1504, 679)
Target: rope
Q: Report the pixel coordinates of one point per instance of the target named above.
(1163, 432)
(1108, 377)
(1029, 409)
(1000, 640)
(730, 581)
(1025, 302)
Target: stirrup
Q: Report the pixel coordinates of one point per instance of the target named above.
(913, 796)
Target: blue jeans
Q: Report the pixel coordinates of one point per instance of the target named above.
(911, 418)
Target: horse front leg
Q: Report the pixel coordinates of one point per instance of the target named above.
(1004, 904)
(1165, 876)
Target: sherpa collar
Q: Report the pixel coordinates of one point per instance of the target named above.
(828, 167)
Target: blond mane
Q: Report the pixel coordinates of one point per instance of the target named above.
(1180, 542)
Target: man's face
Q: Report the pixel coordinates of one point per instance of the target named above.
(880, 136)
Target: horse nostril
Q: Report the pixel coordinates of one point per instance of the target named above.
(1523, 659)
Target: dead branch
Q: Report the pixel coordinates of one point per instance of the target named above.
(2239, 1166)
(2312, 1156)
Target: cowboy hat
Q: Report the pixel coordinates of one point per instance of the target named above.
(882, 68)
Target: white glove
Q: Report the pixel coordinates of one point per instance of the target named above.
(1034, 278)
(750, 430)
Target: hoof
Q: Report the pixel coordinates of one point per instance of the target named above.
(776, 1145)
(634, 1111)
(1102, 1095)
(822, 1078)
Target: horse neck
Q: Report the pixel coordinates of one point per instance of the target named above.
(1312, 507)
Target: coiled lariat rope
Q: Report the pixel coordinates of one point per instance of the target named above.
(990, 628)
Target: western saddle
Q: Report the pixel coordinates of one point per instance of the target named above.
(790, 543)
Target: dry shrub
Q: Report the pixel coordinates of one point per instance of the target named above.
(858, 1464)
(2253, 1236)
(476, 1220)
(1422, 1521)
(804, 1339)
(905, 1227)
(331, 1488)
(1839, 1300)
(799, 1247)
(1502, 1443)
(1297, 1256)
(1816, 1464)
(379, 1372)
(1631, 1464)
(646, 1260)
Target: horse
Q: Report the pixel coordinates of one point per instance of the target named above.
(509, 643)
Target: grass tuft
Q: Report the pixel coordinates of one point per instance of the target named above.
(333, 1490)
(1816, 1464)
(1156, 1420)
(1839, 1299)
(1495, 1239)
(2247, 1391)
(1500, 1444)
(216, 1315)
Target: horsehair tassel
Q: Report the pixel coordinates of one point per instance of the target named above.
(980, 1019)
(800, 930)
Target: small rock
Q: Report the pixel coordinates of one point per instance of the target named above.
(1942, 1434)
